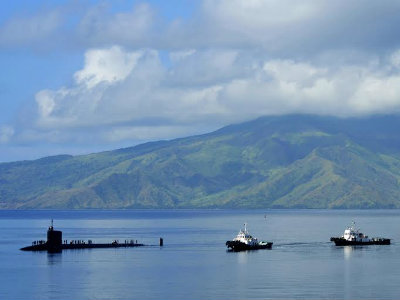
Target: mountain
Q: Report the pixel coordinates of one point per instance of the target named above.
(293, 161)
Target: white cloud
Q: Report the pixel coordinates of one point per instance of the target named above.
(395, 59)
(30, 29)
(106, 65)
(134, 27)
(178, 56)
(287, 28)
(377, 95)
(259, 14)
(133, 93)
(288, 70)
(6, 133)
(45, 102)
(206, 67)
(230, 61)
(279, 27)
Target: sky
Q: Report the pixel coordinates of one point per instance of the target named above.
(79, 77)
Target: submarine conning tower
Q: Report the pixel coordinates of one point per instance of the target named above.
(54, 239)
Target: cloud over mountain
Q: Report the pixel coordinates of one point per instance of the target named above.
(132, 89)
(146, 76)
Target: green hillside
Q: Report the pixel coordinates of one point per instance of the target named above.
(295, 161)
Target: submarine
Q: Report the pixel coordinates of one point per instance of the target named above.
(55, 243)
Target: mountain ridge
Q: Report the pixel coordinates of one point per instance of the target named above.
(291, 161)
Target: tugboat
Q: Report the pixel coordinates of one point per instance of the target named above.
(353, 237)
(244, 241)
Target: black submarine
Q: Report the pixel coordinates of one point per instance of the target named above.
(55, 243)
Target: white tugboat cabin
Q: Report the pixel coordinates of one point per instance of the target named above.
(244, 237)
(354, 234)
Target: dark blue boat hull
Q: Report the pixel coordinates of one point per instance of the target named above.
(239, 246)
(343, 242)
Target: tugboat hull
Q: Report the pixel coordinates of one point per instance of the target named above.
(239, 246)
(375, 241)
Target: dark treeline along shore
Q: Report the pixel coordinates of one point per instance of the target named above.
(294, 161)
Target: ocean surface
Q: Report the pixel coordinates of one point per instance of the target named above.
(194, 263)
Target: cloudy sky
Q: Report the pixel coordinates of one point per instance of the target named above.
(84, 76)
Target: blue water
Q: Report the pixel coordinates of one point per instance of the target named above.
(194, 263)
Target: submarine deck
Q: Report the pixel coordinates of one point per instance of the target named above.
(45, 246)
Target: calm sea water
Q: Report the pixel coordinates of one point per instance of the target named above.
(194, 263)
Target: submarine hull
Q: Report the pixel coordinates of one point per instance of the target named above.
(46, 247)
